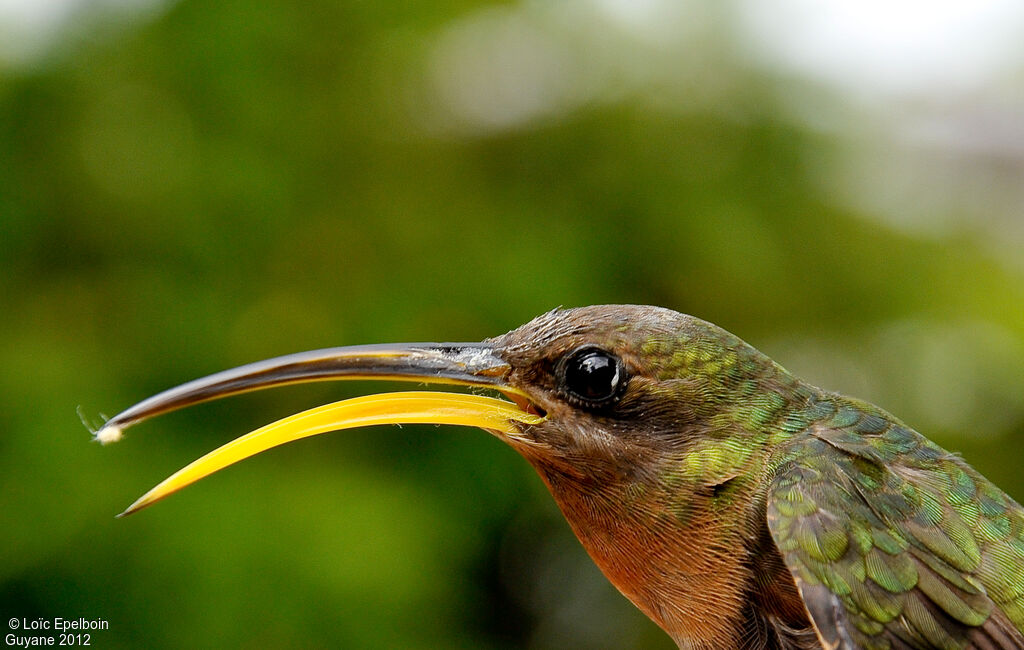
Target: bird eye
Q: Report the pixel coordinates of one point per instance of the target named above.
(592, 376)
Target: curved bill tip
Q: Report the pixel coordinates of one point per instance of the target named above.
(500, 417)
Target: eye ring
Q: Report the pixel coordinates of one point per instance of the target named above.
(591, 376)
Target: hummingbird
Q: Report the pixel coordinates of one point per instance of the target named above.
(734, 504)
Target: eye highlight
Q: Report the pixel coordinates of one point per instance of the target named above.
(592, 376)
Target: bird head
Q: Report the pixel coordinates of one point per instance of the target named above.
(633, 416)
(593, 390)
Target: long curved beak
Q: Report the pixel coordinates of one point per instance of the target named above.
(471, 364)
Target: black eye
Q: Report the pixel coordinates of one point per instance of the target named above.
(592, 376)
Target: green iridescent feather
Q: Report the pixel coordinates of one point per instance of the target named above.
(894, 542)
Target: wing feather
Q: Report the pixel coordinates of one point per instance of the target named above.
(894, 542)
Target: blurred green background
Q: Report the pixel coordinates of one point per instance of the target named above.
(189, 186)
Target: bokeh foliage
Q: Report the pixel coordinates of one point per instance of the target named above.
(232, 181)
